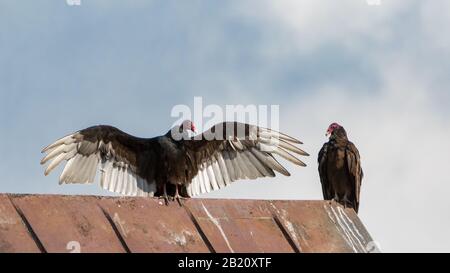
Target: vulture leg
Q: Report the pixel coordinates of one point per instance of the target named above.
(344, 201)
(165, 196)
(347, 202)
(335, 198)
(177, 196)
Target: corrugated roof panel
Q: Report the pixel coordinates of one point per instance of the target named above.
(239, 225)
(321, 226)
(14, 235)
(69, 223)
(54, 223)
(147, 225)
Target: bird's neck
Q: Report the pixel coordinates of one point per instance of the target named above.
(339, 135)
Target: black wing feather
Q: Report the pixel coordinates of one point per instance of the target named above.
(322, 160)
(355, 171)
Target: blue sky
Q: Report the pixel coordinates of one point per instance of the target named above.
(381, 71)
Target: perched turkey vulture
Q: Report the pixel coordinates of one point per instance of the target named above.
(175, 162)
(340, 168)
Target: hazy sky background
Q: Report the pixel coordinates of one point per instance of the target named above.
(381, 71)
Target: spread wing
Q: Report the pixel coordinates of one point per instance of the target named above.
(231, 151)
(326, 185)
(123, 160)
(355, 171)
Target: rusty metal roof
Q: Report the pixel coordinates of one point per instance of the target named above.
(56, 223)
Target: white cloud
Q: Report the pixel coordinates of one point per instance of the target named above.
(433, 18)
(308, 24)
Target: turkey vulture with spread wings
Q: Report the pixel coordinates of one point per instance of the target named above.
(340, 168)
(190, 165)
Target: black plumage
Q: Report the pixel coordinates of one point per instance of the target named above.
(175, 163)
(340, 168)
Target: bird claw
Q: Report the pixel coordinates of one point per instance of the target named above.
(179, 199)
(166, 199)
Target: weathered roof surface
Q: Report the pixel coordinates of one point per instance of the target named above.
(55, 223)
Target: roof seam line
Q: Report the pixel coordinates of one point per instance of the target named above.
(115, 229)
(285, 233)
(28, 226)
(199, 229)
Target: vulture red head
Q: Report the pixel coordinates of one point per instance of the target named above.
(336, 131)
(332, 127)
(182, 131)
(187, 125)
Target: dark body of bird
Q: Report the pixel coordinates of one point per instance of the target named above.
(175, 163)
(340, 168)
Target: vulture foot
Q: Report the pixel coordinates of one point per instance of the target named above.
(165, 196)
(178, 197)
(180, 200)
(166, 199)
